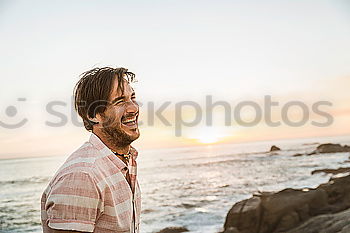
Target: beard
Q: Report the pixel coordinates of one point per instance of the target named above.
(116, 135)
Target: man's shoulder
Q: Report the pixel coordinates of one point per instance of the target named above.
(81, 161)
(87, 150)
(86, 153)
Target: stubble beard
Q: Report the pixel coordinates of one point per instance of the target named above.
(116, 136)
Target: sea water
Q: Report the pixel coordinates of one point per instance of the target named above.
(193, 187)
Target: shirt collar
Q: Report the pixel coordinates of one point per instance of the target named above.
(104, 151)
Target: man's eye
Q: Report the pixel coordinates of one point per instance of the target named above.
(119, 102)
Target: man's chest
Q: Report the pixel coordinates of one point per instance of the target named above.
(120, 204)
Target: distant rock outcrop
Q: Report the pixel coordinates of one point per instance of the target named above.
(330, 148)
(274, 148)
(287, 209)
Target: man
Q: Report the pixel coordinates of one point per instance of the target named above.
(96, 189)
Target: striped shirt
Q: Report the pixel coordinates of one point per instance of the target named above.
(90, 193)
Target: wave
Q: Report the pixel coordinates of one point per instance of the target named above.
(26, 181)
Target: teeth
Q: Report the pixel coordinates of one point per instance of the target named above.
(130, 120)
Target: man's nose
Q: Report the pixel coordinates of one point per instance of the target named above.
(132, 106)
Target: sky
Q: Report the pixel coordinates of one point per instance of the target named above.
(233, 51)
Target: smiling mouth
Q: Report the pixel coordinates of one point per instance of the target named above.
(130, 122)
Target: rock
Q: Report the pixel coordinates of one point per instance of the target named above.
(231, 230)
(331, 148)
(297, 155)
(244, 214)
(287, 220)
(338, 222)
(173, 230)
(332, 171)
(274, 148)
(287, 209)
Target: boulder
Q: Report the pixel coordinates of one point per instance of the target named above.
(232, 230)
(274, 148)
(245, 215)
(338, 222)
(331, 148)
(282, 211)
(173, 230)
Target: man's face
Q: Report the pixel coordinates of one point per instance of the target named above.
(119, 122)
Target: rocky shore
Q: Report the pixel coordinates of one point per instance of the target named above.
(294, 210)
(323, 209)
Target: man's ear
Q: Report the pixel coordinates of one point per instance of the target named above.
(96, 119)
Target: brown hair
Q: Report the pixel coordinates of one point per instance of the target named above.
(91, 93)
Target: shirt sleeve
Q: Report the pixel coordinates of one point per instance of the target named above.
(73, 203)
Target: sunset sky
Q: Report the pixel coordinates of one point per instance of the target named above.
(234, 51)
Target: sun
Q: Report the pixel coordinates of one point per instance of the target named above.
(207, 139)
(207, 135)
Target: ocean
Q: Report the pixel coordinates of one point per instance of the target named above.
(193, 187)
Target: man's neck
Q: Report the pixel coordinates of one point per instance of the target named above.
(119, 150)
(112, 146)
